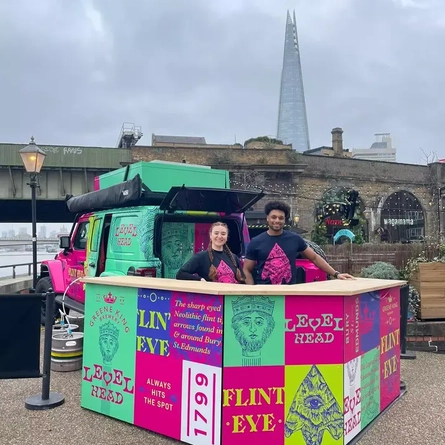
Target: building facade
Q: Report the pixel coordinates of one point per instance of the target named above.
(292, 117)
(397, 202)
(381, 150)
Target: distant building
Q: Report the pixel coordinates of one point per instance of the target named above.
(292, 117)
(327, 151)
(23, 232)
(172, 141)
(381, 150)
(42, 232)
(336, 150)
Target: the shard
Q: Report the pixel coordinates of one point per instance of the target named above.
(292, 117)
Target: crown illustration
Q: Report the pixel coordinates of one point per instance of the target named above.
(175, 230)
(109, 298)
(367, 318)
(109, 329)
(250, 304)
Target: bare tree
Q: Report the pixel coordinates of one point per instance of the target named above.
(429, 157)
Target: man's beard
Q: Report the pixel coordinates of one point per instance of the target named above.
(174, 263)
(106, 355)
(251, 345)
(273, 229)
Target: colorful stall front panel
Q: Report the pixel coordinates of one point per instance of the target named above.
(253, 405)
(178, 365)
(108, 376)
(283, 395)
(389, 346)
(161, 360)
(254, 331)
(371, 357)
(314, 332)
(293, 370)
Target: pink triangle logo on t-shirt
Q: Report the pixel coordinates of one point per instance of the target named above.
(224, 273)
(277, 266)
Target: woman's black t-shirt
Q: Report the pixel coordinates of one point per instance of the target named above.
(199, 267)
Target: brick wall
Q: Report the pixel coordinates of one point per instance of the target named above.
(374, 180)
(211, 156)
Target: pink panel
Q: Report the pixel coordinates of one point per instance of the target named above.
(314, 330)
(313, 273)
(96, 183)
(389, 346)
(157, 405)
(253, 405)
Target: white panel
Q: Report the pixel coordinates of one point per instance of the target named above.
(201, 404)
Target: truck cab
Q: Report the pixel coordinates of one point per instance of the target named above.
(127, 229)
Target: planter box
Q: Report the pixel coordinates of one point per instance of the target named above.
(429, 281)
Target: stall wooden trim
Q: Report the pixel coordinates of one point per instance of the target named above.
(342, 288)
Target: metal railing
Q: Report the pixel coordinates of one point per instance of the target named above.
(14, 266)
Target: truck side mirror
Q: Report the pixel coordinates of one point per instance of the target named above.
(64, 242)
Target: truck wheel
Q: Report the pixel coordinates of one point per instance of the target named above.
(43, 286)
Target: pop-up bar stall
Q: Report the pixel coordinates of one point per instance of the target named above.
(209, 363)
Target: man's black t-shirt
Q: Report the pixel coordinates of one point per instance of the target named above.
(199, 266)
(275, 257)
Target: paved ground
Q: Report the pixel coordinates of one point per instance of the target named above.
(418, 418)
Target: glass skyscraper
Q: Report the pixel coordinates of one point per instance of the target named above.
(292, 118)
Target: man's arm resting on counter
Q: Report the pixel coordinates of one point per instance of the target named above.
(248, 267)
(323, 265)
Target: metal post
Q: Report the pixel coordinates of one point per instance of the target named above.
(47, 399)
(33, 184)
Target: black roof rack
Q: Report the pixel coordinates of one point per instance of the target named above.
(126, 194)
(135, 193)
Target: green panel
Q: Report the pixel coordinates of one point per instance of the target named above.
(160, 177)
(63, 156)
(109, 352)
(370, 390)
(177, 246)
(254, 331)
(123, 242)
(313, 405)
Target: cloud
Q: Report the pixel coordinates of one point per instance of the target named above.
(73, 72)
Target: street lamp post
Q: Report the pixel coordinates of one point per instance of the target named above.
(33, 158)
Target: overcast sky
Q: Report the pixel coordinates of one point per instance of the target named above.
(72, 71)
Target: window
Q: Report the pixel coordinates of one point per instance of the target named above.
(80, 240)
(95, 237)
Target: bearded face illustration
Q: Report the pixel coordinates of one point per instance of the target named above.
(252, 331)
(252, 324)
(108, 342)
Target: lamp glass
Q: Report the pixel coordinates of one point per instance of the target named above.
(32, 158)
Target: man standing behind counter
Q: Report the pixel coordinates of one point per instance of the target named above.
(271, 256)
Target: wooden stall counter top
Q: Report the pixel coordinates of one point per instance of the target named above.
(324, 288)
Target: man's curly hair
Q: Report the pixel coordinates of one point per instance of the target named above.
(277, 205)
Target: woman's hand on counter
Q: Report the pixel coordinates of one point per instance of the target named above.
(345, 276)
(203, 279)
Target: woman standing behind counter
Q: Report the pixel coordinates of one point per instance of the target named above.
(217, 263)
